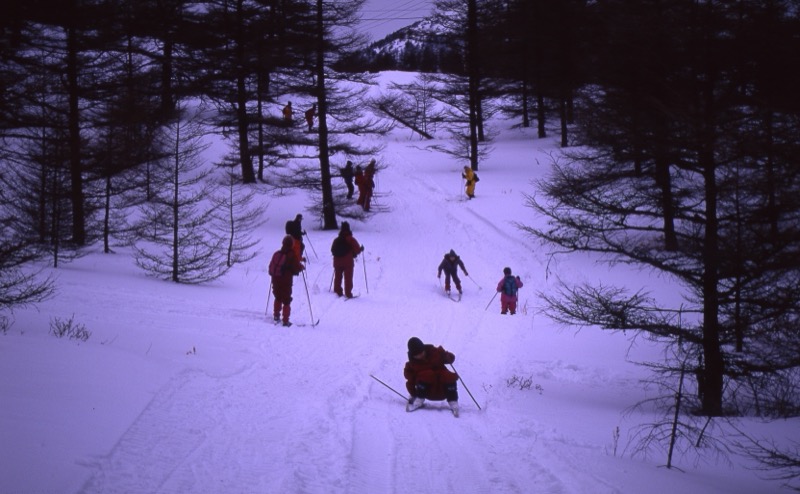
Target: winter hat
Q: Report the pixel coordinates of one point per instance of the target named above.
(415, 346)
(299, 217)
(345, 227)
(452, 253)
(287, 242)
(506, 271)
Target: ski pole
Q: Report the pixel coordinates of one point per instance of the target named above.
(395, 391)
(364, 262)
(476, 283)
(332, 276)
(269, 294)
(490, 302)
(465, 387)
(312, 245)
(308, 297)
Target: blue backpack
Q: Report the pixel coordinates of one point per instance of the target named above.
(510, 285)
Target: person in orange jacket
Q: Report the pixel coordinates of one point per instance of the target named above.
(295, 229)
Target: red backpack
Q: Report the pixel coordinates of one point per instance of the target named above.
(277, 266)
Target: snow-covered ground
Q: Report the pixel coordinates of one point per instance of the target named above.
(192, 389)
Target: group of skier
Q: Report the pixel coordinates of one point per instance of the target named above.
(364, 179)
(426, 374)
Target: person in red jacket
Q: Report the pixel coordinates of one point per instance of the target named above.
(310, 114)
(359, 179)
(427, 378)
(345, 248)
(508, 287)
(369, 184)
(283, 267)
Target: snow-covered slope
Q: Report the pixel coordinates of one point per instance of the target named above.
(192, 389)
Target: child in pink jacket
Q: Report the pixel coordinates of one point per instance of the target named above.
(508, 287)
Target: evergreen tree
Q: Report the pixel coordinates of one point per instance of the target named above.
(672, 178)
(178, 240)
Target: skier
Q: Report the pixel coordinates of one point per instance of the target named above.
(347, 175)
(283, 267)
(359, 179)
(450, 265)
(310, 114)
(508, 287)
(369, 184)
(472, 178)
(295, 229)
(427, 378)
(287, 113)
(345, 248)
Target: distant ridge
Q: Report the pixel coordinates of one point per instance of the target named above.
(424, 46)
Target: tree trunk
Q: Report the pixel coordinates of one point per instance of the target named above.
(175, 202)
(246, 160)
(75, 168)
(472, 75)
(714, 365)
(328, 207)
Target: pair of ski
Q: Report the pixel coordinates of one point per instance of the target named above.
(454, 298)
(301, 325)
(412, 408)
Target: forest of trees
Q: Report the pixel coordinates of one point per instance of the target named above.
(93, 103)
(684, 159)
(679, 123)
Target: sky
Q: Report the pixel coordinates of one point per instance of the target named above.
(383, 17)
(185, 389)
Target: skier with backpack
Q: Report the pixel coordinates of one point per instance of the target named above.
(507, 287)
(345, 248)
(294, 228)
(283, 267)
(427, 378)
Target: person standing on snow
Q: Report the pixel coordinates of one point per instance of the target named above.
(369, 184)
(472, 178)
(287, 113)
(450, 265)
(347, 174)
(345, 248)
(359, 179)
(427, 378)
(508, 287)
(283, 267)
(295, 229)
(310, 114)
